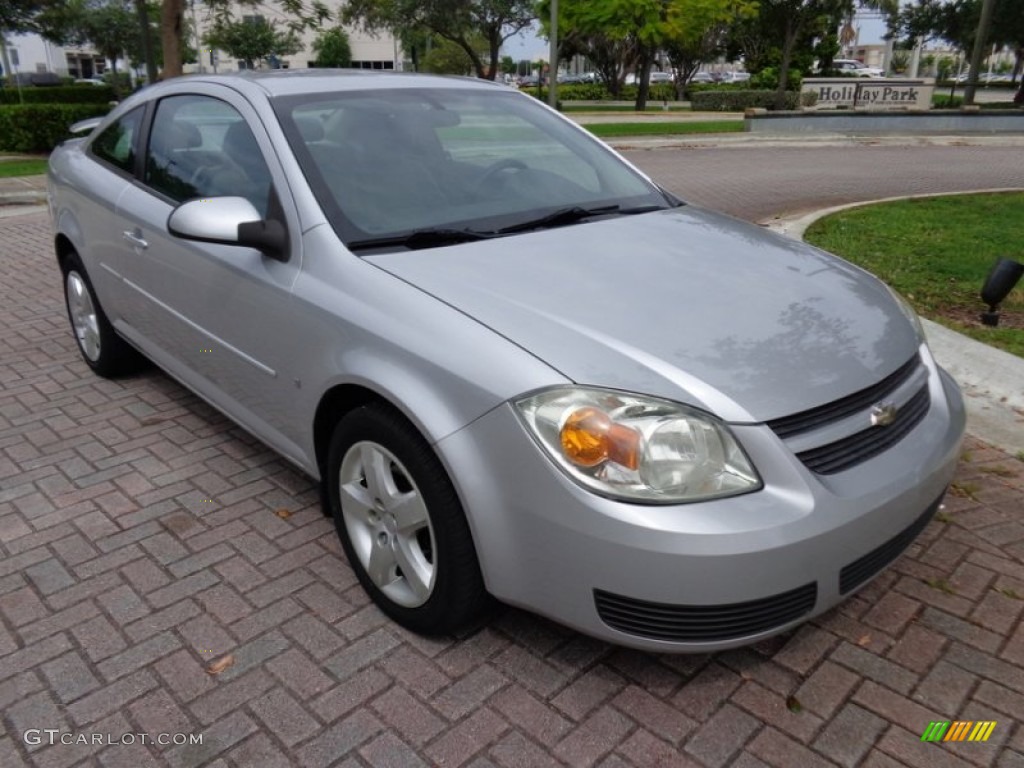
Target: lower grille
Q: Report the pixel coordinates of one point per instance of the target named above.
(703, 623)
(863, 445)
(862, 569)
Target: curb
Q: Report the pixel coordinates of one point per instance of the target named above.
(990, 378)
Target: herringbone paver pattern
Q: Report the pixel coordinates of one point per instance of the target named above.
(143, 537)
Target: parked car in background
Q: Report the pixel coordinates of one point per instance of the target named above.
(855, 68)
(34, 78)
(702, 77)
(734, 77)
(517, 366)
(90, 81)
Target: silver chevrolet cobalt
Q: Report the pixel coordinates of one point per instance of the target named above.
(519, 368)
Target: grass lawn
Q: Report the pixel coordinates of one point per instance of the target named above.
(22, 167)
(937, 252)
(614, 130)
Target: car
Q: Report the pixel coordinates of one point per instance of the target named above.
(520, 370)
(734, 77)
(90, 81)
(702, 77)
(855, 68)
(660, 77)
(39, 79)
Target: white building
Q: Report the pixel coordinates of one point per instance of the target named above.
(33, 54)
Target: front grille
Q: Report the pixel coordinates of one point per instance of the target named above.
(823, 415)
(863, 445)
(703, 623)
(862, 569)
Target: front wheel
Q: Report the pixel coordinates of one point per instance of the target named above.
(401, 524)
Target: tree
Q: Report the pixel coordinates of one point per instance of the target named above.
(332, 48)
(447, 58)
(252, 39)
(792, 22)
(611, 33)
(110, 26)
(956, 21)
(697, 31)
(458, 21)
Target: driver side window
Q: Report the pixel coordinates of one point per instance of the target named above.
(202, 147)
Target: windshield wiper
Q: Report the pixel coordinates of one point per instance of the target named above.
(420, 238)
(564, 216)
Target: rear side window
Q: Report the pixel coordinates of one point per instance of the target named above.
(116, 144)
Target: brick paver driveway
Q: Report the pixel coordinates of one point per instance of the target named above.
(143, 537)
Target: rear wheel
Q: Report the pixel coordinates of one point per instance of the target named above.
(102, 349)
(401, 524)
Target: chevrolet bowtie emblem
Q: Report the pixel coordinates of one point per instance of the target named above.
(883, 414)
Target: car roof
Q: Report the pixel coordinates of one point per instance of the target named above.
(285, 82)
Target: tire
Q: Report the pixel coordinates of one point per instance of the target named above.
(401, 524)
(102, 349)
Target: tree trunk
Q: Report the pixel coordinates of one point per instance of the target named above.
(147, 40)
(644, 78)
(792, 30)
(494, 41)
(172, 18)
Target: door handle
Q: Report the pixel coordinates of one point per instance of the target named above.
(135, 238)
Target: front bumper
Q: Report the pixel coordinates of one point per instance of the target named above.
(716, 574)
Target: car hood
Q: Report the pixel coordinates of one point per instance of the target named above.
(684, 304)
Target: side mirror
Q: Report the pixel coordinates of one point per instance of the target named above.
(229, 221)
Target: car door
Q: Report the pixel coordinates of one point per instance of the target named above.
(98, 178)
(215, 316)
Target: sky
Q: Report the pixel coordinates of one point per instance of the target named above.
(529, 45)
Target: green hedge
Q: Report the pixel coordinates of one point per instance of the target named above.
(739, 100)
(598, 92)
(41, 127)
(72, 94)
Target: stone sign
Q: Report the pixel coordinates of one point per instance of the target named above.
(869, 93)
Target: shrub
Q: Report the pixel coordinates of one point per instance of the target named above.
(941, 101)
(768, 78)
(739, 100)
(598, 92)
(579, 92)
(41, 127)
(63, 94)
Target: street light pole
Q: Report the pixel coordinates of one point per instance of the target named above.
(553, 58)
(980, 43)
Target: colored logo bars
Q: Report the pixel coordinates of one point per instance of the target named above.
(959, 730)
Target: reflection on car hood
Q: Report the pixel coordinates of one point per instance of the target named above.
(683, 304)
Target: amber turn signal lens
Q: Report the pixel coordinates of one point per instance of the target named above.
(589, 436)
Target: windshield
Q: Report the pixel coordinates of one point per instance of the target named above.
(396, 162)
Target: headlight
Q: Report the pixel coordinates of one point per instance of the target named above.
(637, 448)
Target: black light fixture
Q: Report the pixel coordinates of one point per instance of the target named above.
(1000, 281)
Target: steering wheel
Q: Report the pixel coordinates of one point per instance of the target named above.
(202, 178)
(506, 164)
